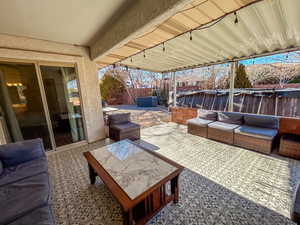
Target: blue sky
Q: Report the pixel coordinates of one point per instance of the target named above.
(292, 57)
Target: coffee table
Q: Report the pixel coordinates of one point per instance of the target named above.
(137, 177)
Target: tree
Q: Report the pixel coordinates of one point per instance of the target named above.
(110, 87)
(241, 79)
(223, 82)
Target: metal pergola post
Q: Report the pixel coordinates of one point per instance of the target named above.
(174, 89)
(233, 69)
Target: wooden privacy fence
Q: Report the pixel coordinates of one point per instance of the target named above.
(280, 103)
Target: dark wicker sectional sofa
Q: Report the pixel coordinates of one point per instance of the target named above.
(251, 131)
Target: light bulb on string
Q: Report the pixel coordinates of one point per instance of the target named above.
(236, 20)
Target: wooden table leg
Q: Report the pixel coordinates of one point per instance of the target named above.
(128, 217)
(92, 174)
(174, 189)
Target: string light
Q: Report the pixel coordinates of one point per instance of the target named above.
(236, 20)
(126, 68)
(114, 66)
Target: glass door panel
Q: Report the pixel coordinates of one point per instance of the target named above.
(63, 99)
(21, 108)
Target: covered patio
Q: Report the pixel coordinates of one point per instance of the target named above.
(50, 101)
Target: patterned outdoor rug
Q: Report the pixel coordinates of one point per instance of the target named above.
(222, 184)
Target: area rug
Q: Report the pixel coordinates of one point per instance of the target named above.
(221, 184)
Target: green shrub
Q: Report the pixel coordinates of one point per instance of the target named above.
(241, 79)
(110, 86)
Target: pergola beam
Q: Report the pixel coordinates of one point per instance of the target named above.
(140, 17)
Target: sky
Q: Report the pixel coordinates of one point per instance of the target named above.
(292, 57)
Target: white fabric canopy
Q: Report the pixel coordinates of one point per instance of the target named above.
(266, 26)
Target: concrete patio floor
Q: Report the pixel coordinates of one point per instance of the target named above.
(145, 116)
(221, 184)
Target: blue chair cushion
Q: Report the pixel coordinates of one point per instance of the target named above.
(264, 121)
(258, 132)
(207, 114)
(23, 170)
(118, 118)
(230, 117)
(23, 197)
(16, 153)
(223, 126)
(199, 122)
(126, 127)
(40, 216)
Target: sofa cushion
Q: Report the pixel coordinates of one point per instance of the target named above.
(23, 170)
(40, 216)
(264, 121)
(16, 153)
(258, 132)
(230, 117)
(223, 126)
(118, 118)
(199, 122)
(23, 196)
(1, 167)
(207, 114)
(126, 127)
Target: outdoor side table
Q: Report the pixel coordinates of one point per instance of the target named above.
(290, 146)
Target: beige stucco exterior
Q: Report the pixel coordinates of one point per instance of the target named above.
(25, 49)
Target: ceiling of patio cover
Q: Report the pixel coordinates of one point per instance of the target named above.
(265, 26)
(194, 14)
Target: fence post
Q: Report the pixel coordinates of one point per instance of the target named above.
(260, 103)
(234, 66)
(242, 103)
(276, 104)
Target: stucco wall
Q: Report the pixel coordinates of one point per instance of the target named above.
(23, 49)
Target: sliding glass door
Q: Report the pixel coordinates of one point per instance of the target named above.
(63, 101)
(40, 101)
(21, 107)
